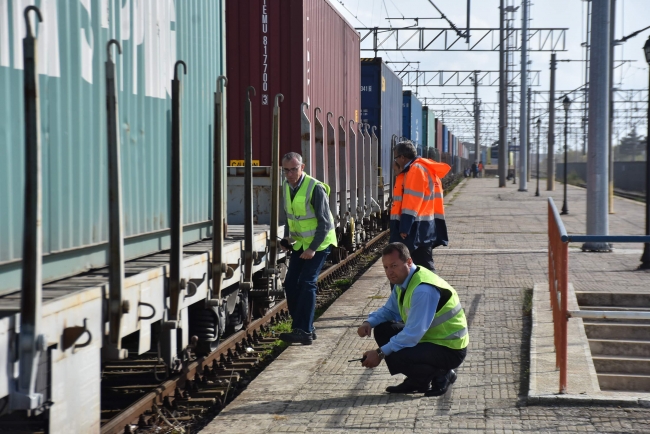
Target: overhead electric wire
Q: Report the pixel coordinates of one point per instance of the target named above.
(452, 25)
(362, 23)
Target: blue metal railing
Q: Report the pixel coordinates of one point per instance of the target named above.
(566, 238)
(605, 238)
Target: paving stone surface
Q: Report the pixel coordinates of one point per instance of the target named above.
(496, 255)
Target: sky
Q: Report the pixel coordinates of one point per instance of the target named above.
(631, 15)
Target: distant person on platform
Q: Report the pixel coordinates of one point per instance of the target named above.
(417, 215)
(474, 169)
(480, 169)
(311, 226)
(421, 331)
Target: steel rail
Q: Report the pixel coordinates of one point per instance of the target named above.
(131, 414)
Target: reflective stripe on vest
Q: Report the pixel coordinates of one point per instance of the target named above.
(449, 325)
(309, 211)
(301, 216)
(417, 200)
(396, 206)
(435, 188)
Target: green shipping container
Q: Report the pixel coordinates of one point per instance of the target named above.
(429, 126)
(72, 50)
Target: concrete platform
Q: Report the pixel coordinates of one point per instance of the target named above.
(497, 256)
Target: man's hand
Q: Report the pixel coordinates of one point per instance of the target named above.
(307, 254)
(285, 245)
(404, 235)
(364, 329)
(372, 359)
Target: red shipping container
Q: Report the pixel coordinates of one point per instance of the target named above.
(439, 136)
(303, 49)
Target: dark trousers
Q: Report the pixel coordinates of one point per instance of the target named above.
(423, 257)
(420, 363)
(300, 287)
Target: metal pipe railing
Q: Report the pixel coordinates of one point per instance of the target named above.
(558, 277)
(558, 270)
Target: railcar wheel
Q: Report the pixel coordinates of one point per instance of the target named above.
(207, 324)
(239, 318)
(349, 239)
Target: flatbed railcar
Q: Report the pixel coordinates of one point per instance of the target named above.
(133, 218)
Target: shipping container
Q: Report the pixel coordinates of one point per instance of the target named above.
(445, 139)
(452, 144)
(72, 53)
(429, 134)
(381, 106)
(303, 49)
(412, 118)
(439, 135)
(425, 129)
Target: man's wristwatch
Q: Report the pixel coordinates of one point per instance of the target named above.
(381, 354)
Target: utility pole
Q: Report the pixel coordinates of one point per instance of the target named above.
(528, 147)
(550, 157)
(586, 86)
(477, 120)
(597, 173)
(523, 107)
(610, 160)
(503, 100)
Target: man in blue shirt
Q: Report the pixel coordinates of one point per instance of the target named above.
(421, 330)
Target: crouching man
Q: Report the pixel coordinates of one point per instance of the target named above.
(421, 331)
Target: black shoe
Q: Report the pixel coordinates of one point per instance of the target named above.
(297, 337)
(441, 384)
(313, 334)
(407, 386)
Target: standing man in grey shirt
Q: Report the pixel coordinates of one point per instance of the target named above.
(311, 226)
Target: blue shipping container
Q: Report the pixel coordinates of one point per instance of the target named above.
(445, 139)
(381, 95)
(412, 118)
(72, 50)
(425, 128)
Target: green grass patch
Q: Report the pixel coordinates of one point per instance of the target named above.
(282, 327)
(343, 282)
(277, 346)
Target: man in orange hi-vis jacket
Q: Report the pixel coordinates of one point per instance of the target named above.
(417, 217)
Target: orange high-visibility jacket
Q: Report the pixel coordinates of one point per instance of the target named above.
(418, 208)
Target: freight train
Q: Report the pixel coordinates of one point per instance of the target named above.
(139, 202)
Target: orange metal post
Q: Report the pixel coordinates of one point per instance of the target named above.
(563, 320)
(558, 280)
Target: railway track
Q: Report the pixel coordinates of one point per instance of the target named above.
(134, 400)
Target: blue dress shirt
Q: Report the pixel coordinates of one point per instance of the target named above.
(424, 303)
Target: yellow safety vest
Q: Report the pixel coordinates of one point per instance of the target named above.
(301, 216)
(449, 326)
